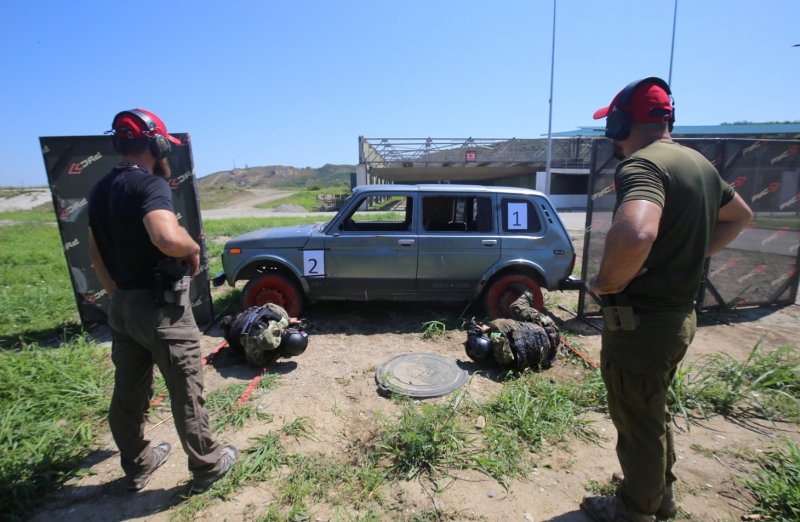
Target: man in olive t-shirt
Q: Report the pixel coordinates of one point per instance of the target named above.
(673, 211)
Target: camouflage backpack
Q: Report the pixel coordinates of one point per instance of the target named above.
(256, 333)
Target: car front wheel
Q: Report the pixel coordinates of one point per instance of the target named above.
(502, 292)
(273, 288)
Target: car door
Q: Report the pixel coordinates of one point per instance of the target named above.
(458, 242)
(372, 253)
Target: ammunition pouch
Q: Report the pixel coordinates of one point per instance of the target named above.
(171, 283)
(618, 312)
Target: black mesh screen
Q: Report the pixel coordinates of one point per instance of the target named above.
(760, 267)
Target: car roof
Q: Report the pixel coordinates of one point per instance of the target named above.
(447, 187)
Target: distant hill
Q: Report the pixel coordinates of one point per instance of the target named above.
(280, 176)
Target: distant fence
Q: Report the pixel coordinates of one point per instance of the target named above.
(761, 267)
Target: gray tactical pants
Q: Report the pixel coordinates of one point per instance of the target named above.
(144, 335)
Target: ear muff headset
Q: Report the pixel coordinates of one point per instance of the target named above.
(618, 124)
(159, 145)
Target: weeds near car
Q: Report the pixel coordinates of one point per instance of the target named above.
(298, 428)
(434, 329)
(536, 410)
(227, 411)
(776, 484)
(53, 403)
(765, 385)
(427, 439)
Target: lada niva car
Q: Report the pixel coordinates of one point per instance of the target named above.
(411, 243)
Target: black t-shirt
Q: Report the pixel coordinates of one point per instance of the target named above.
(117, 205)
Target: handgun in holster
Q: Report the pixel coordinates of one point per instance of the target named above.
(171, 283)
(618, 312)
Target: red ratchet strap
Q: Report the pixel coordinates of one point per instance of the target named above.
(580, 354)
(252, 385)
(208, 358)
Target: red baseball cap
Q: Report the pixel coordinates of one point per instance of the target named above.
(648, 103)
(140, 123)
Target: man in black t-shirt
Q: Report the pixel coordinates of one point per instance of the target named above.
(672, 211)
(133, 228)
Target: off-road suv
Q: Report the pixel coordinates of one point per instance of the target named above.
(410, 243)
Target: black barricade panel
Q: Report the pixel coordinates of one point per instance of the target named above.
(761, 266)
(74, 164)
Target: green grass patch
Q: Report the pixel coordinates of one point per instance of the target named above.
(306, 198)
(776, 484)
(36, 295)
(316, 478)
(434, 329)
(427, 439)
(53, 403)
(228, 412)
(766, 385)
(536, 410)
(41, 214)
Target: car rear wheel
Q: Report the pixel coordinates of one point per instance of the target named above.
(502, 292)
(273, 288)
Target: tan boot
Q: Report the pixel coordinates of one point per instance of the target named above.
(611, 509)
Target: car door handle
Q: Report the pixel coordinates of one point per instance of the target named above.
(405, 242)
(489, 242)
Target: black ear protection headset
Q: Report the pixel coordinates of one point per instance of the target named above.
(159, 145)
(618, 124)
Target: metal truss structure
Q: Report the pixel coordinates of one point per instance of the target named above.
(377, 153)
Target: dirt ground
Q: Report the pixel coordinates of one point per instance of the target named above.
(333, 385)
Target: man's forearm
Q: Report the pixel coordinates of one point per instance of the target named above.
(622, 261)
(627, 246)
(723, 235)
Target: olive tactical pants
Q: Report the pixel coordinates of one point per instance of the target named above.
(144, 335)
(637, 368)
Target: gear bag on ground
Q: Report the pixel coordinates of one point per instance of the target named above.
(529, 340)
(261, 334)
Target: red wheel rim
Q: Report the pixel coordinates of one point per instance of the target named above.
(273, 289)
(506, 290)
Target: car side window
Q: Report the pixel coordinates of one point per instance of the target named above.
(381, 213)
(520, 215)
(457, 214)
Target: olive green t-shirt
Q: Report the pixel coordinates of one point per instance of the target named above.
(690, 192)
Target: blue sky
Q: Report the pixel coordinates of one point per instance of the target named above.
(296, 82)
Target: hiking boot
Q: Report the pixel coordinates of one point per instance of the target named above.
(140, 480)
(668, 507)
(611, 509)
(227, 457)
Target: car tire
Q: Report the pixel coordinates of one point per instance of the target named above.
(502, 292)
(273, 288)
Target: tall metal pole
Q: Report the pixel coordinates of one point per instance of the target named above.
(550, 117)
(672, 50)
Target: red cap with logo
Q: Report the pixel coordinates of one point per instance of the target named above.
(648, 103)
(140, 123)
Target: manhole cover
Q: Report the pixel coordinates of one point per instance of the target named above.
(420, 375)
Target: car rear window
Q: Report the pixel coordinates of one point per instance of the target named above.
(519, 215)
(457, 214)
